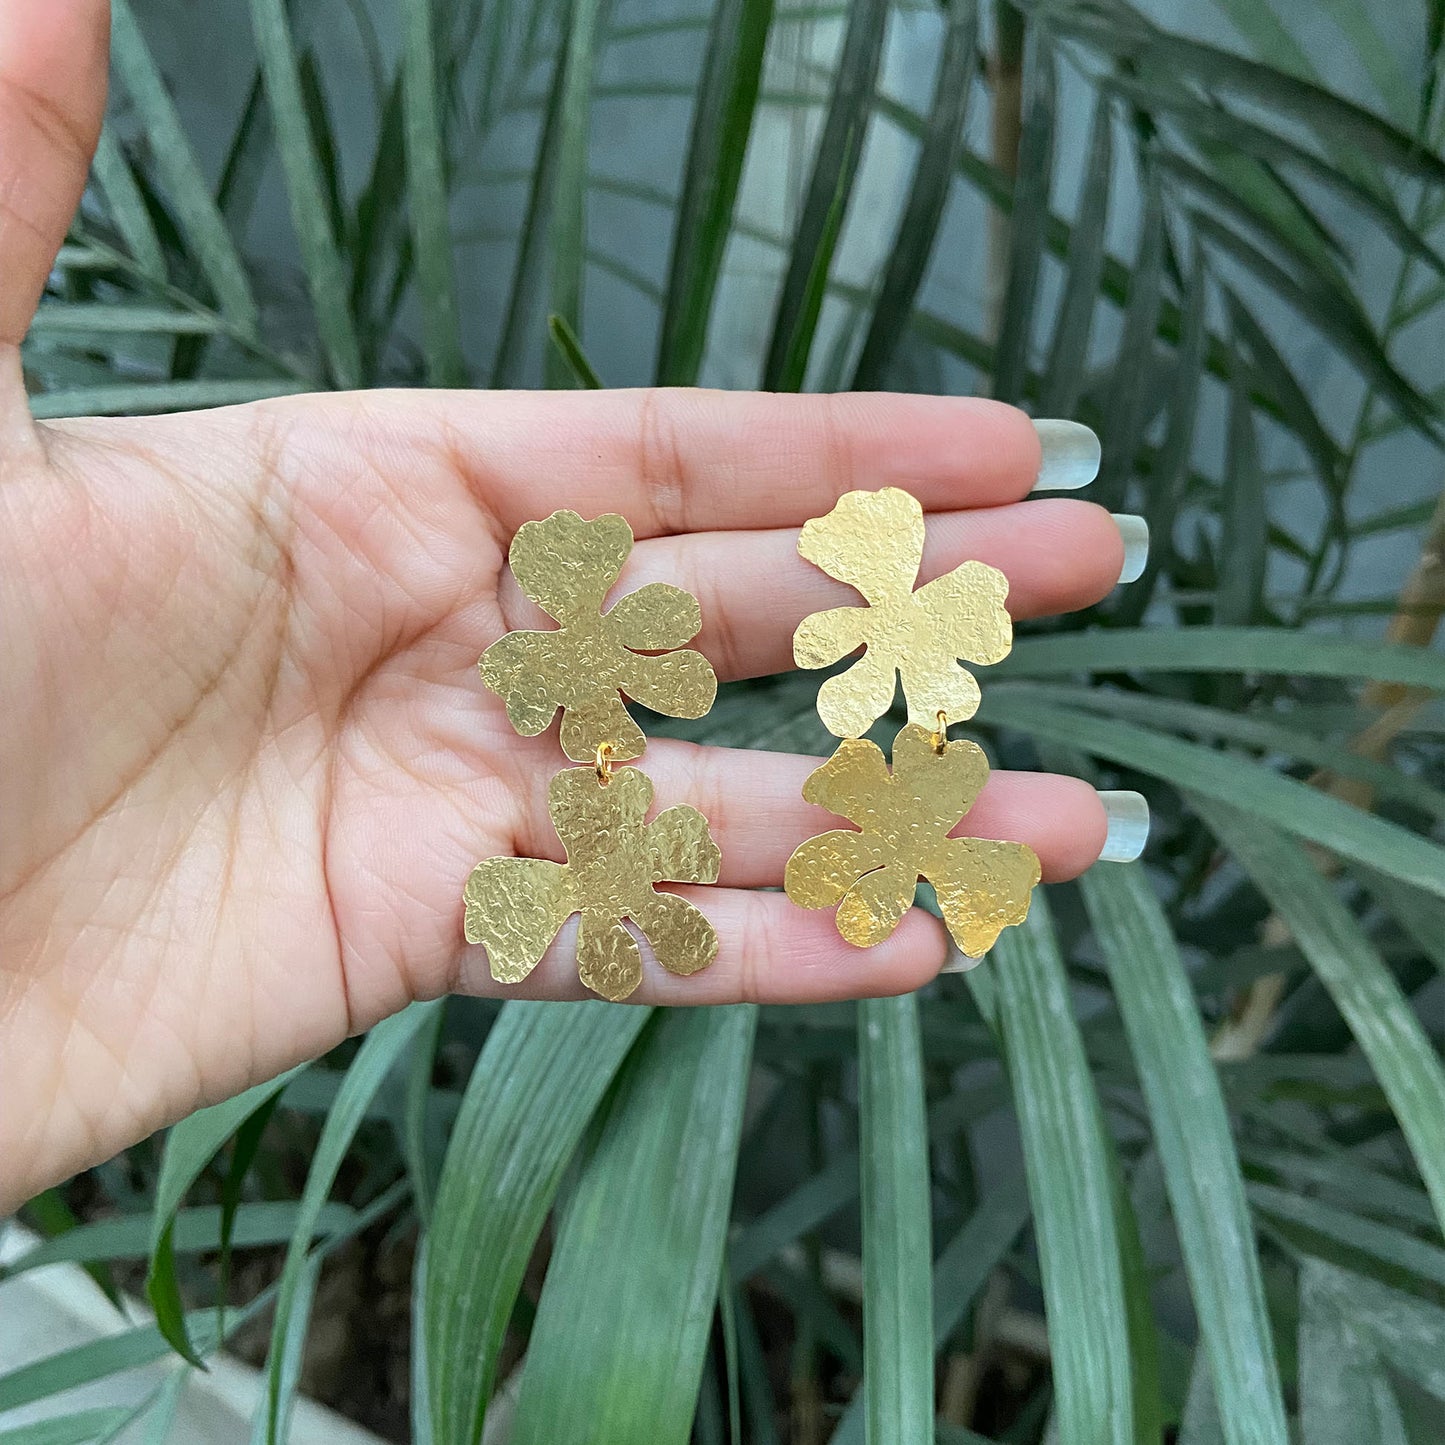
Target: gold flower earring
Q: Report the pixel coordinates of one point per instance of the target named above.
(515, 907)
(874, 542)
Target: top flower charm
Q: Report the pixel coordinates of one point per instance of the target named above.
(566, 566)
(874, 541)
(905, 818)
(515, 906)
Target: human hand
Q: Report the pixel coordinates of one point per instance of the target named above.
(246, 762)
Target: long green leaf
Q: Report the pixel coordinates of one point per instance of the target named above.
(1156, 52)
(583, 373)
(1237, 136)
(190, 1147)
(918, 226)
(1126, 406)
(534, 1089)
(144, 1344)
(1267, 731)
(812, 1203)
(306, 190)
(285, 1363)
(1254, 789)
(127, 206)
(426, 173)
(1335, 315)
(195, 1231)
(1378, 1014)
(383, 1046)
(722, 122)
(830, 186)
(1026, 219)
(196, 211)
(1069, 349)
(1223, 649)
(1382, 1242)
(1170, 474)
(617, 1348)
(897, 1249)
(525, 294)
(1068, 1172)
(1345, 1395)
(568, 229)
(1244, 542)
(82, 1428)
(100, 318)
(961, 1271)
(1191, 1130)
(1406, 1330)
(136, 398)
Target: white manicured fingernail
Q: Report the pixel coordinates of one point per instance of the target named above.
(1070, 456)
(1135, 532)
(958, 961)
(1128, 815)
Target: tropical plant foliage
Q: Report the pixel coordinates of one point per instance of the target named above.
(1219, 1069)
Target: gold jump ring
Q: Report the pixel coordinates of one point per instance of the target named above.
(940, 733)
(604, 763)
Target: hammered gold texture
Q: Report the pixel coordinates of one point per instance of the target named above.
(904, 818)
(515, 906)
(874, 542)
(566, 566)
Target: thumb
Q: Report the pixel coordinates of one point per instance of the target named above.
(53, 57)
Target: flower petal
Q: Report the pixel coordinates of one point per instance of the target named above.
(608, 960)
(677, 684)
(681, 937)
(601, 719)
(518, 668)
(942, 786)
(872, 907)
(826, 636)
(852, 783)
(966, 612)
(514, 907)
(656, 617)
(824, 868)
(600, 825)
(681, 848)
(871, 540)
(852, 701)
(983, 887)
(933, 683)
(566, 565)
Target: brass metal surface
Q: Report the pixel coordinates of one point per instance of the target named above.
(566, 566)
(874, 542)
(904, 818)
(515, 906)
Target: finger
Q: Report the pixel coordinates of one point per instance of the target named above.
(769, 951)
(681, 460)
(52, 96)
(1058, 555)
(754, 806)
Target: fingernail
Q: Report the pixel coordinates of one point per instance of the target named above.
(1135, 532)
(1128, 815)
(958, 961)
(1070, 456)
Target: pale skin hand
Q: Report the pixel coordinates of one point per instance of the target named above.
(246, 762)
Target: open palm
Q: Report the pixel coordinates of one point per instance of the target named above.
(246, 762)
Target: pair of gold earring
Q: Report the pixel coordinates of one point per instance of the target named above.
(874, 542)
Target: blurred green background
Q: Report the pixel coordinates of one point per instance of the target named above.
(1170, 1165)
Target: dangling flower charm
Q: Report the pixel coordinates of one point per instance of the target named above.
(566, 566)
(904, 819)
(874, 541)
(515, 906)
